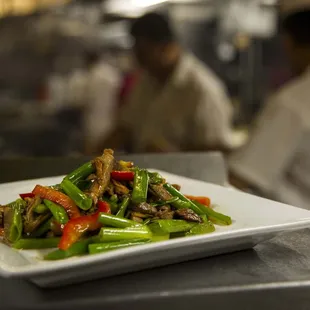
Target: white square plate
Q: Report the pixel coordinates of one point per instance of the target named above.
(254, 220)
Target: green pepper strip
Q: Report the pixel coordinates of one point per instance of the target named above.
(123, 207)
(41, 209)
(14, 231)
(81, 173)
(140, 186)
(104, 247)
(36, 243)
(186, 202)
(118, 234)
(114, 221)
(43, 229)
(213, 216)
(59, 213)
(81, 199)
(78, 248)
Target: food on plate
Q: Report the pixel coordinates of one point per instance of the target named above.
(104, 205)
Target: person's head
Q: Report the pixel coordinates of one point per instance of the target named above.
(296, 30)
(155, 45)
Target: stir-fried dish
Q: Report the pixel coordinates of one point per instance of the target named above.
(104, 205)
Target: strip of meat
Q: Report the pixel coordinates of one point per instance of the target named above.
(165, 213)
(32, 221)
(144, 208)
(120, 188)
(104, 166)
(160, 192)
(188, 215)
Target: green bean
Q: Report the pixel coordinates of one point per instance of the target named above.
(104, 247)
(41, 209)
(59, 213)
(163, 203)
(200, 229)
(36, 243)
(155, 178)
(123, 207)
(114, 198)
(78, 248)
(162, 227)
(81, 199)
(140, 187)
(157, 238)
(81, 173)
(187, 203)
(115, 221)
(13, 225)
(43, 229)
(84, 185)
(118, 234)
(213, 216)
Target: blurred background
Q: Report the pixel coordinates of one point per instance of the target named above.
(48, 46)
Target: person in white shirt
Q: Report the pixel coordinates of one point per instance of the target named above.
(276, 161)
(100, 96)
(177, 104)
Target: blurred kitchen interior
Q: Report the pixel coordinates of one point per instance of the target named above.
(238, 39)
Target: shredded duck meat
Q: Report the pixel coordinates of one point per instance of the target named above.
(104, 166)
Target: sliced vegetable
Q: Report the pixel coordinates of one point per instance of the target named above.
(81, 199)
(162, 227)
(114, 221)
(60, 198)
(215, 217)
(76, 227)
(118, 234)
(104, 247)
(189, 204)
(81, 173)
(29, 244)
(122, 175)
(26, 195)
(78, 248)
(123, 207)
(202, 200)
(140, 187)
(59, 213)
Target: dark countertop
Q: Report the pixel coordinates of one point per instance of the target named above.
(273, 275)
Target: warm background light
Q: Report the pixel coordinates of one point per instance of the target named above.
(22, 7)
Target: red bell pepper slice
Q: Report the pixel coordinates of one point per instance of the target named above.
(58, 197)
(203, 200)
(76, 227)
(122, 175)
(26, 195)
